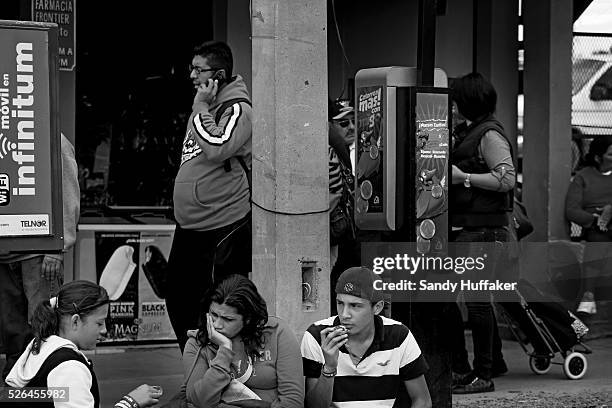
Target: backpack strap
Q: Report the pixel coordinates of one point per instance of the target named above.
(246, 170)
(223, 107)
(227, 164)
(55, 359)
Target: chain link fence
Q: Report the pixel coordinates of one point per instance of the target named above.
(592, 84)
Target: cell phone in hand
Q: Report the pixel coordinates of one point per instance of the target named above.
(219, 76)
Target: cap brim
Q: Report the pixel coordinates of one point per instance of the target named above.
(343, 114)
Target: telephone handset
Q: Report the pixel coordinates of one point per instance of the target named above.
(219, 75)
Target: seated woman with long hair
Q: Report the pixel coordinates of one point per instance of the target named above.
(589, 204)
(240, 356)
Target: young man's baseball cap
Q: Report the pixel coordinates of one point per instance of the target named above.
(359, 281)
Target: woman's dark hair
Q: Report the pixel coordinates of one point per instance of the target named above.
(76, 297)
(218, 55)
(597, 149)
(240, 293)
(474, 95)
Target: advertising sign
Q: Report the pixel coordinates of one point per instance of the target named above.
(62, 13)
(369, 167)
(154, 323)
(127, 261)
(30, 163)
(432, 156)
(116, 261)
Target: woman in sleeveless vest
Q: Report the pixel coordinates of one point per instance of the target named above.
(481, 194)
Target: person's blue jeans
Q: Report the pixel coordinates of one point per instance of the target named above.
(22, 288)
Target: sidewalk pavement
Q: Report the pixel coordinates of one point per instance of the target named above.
(520, 387)
(120, 370)
(118, 373)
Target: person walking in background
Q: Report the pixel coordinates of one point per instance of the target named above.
(481, 197)
(28, 279)
(589, 204)
(212, 188)
(239, 356)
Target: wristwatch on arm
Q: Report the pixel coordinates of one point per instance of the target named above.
(466, 182)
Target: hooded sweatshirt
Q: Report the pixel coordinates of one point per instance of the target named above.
(72, 373)
(206, 196)
(277, 374)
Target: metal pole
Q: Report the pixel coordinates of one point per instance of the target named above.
(426, 48)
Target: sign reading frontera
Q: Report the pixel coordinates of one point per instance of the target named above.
(26, 131)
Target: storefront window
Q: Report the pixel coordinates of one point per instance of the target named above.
(133, 98)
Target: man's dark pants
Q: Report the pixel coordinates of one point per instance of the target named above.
(197, 259)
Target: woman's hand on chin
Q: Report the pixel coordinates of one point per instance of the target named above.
(216, 337)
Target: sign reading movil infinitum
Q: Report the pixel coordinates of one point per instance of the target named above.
(62, 13)
(25, 191)
(30, 160)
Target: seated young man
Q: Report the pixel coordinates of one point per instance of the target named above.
(358, 358)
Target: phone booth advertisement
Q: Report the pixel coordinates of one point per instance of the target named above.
(30, 161)
(370, 167)
(395, 171)
(431, 131)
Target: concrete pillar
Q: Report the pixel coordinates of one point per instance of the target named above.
(547, 88)
(496, 56)
(547, 130)
(290, 170)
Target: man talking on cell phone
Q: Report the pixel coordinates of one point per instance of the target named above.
(212, 191)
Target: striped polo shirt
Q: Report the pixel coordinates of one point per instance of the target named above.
(393, 357)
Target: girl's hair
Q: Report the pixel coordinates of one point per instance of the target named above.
(76, 297)
(474, 95)
(597, 149)
(239, 292)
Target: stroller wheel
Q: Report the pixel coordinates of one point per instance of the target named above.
(575, 366)
(539, 365)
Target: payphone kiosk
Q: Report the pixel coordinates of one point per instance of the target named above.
(402, 153)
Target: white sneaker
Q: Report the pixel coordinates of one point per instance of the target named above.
(588, 307)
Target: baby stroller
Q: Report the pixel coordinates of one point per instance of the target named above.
(550, 328)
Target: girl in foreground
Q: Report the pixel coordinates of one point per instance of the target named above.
(63, 326)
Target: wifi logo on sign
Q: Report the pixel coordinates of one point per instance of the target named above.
(5, 197)
(6, 146)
